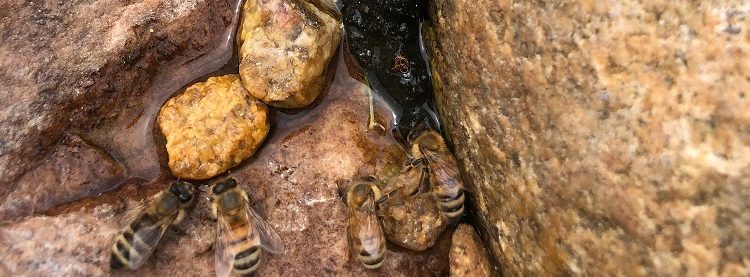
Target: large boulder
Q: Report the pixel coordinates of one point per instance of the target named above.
(71, 65)
(601, 137)
(293, 182)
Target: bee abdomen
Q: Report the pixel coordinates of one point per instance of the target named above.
(121, 250)
(451, 207)
(247, 260)
(372, 261)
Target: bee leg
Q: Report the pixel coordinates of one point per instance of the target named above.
(208, 249)
(178, 230)
(424, 181)
(372, 123)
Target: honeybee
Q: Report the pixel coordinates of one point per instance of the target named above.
(429, 151)
(241, 232)
(365, 235)
(138, 240)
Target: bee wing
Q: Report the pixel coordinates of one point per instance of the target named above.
(443, 169)
(145, 240)
(268, 237)
(371, 227)
(223, 253)
(135, 212)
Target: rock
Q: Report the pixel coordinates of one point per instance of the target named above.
(74, 170)
(414, 223)
(292, 181)
(411, 218)
(211, 127)
(68, 65)
(468, 256)
(600, 138)
(285, 47)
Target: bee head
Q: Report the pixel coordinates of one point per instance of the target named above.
(183, 190)
(427, 138)
(361, 191)
(224, 185)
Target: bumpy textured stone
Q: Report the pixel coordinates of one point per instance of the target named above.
(599, 137)
(285, 46)
(211, 127)
(468, 256)
(73, 64)
(410, 221)
(414, 223)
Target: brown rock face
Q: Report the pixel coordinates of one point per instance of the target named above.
(73, 64)
(74, 170)
(601, 138)
(293, 183)
(468, 256)
(211, 127)
(285, 47)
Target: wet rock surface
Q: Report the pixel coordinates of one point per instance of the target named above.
(212, 126)
(285, 47)
(601, 138)
(468, 256)
(293, 182)
(74, 64)
(75, 170)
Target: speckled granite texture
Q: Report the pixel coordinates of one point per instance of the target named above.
(601, 137)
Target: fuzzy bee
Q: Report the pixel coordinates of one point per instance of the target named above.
(365, 234)
(241, 232)
(139, 238)
(429, 151)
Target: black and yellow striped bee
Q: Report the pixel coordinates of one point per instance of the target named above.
(139, 238)
(429, 151)
(365, 234)
(241, 232)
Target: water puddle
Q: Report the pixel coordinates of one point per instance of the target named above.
(140, 146)
(131, 141)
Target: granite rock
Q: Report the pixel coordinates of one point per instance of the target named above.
(293, 182)
(468, 256)
(75, 64)
(598, 137)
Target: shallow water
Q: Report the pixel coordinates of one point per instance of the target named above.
(133, 144)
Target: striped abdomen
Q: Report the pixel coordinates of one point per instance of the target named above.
(374, 258)
(132, 247)
(450, 205)
(247, 247)
(372, 252)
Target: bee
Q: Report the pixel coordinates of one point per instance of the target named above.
(138, 240)
(241, 232)
(429, 151)
(365, 235)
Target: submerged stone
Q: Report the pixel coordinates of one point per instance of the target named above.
(285, 47)
(211, 127)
